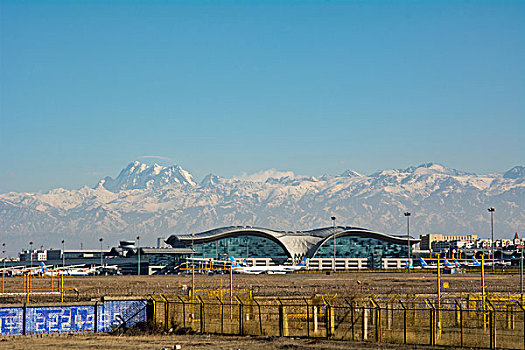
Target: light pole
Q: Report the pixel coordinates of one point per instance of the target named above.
(138, 255)
(101, 254)
(491, 211)
(3, 252)
(521, 271)
(63, 254)
(333, 226)
(407, 214)
(31, 252)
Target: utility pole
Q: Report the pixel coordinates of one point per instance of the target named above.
(31, 252)
(521, 270)
(491, 211)
(333, 226)
(138, 255)
(407, 214)
(63, 254)
(4, 252)
(101, 254)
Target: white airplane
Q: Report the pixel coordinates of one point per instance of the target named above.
(448, 265)
(256, 270)
(424, 264)
(474, 263)
(12, 270)
(70, 270)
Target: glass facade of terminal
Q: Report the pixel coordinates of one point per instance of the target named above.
(240, 247)
(362, 247)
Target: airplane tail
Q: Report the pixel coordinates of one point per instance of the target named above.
(457, 263)
(447, 263)
(234, 262)
(43, 267)
(303, 262)
(476, 262)
(423, 262)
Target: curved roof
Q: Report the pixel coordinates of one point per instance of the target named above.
(294, 243)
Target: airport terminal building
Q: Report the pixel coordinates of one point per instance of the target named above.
(326, 248)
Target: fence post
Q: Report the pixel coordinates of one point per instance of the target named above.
(183, 310)
(404, 322)
(389, 315)
(316, 325)
(350, 303)
(523, 320)
(330, 321)
(24, 319)
(260, 317)
(459, 319)
(202, 315)
(378, 324)
(95, 315)
(432, 317)
(221, 313)
(166, 316)
(307, 317)
(377, 316)
(241, 316)
(364, 328)
(492, 324)
(283, 320)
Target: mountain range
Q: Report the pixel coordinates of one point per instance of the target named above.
(154, 201)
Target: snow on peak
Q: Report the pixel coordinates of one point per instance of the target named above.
(210, 180)
(264, 175)
(350, 173)
(432, 168)
(138, 175)
(515, 173)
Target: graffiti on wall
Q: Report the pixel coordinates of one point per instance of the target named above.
(72, 318)
(11, 320)
(61, 319)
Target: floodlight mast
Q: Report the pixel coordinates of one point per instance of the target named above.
(63, 254)
(101, 255)
(491, 211)
(333, 225)
(138, 255)
(31, 252)
(407, 214)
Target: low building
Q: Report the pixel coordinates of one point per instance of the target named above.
(429, 238)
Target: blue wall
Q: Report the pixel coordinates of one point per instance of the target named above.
(72, 318)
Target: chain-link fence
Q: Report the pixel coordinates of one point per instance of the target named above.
(468, 321)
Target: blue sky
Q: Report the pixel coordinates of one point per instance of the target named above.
(229, 87)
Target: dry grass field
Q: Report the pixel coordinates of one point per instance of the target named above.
(298, 284)
(187, 342)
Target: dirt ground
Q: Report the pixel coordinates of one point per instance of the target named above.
(187, 342)
(296, 284)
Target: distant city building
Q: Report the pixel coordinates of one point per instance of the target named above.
(428, 239)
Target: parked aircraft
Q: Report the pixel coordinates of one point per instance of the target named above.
(256, 270)
(448, 265)
(12, 270)
(425, 265)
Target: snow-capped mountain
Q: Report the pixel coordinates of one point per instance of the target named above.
(157, 200)
(140, 176)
